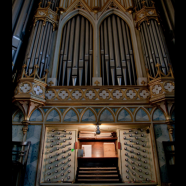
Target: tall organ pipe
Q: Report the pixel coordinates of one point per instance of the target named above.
(76, 46)
(40, 42)
(15, 11)
(20, 12)
(154, 46)
(118, 50)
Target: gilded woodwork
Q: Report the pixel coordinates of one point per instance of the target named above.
(145, 14)
(47, 15)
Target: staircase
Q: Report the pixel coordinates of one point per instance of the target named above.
(98, 175)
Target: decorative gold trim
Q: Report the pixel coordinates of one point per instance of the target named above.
(74, 91)
(54, 93)
(128, 98)
(145, 14)
(121, 91)
(58, 97)
(160, 74)
(142, 97)
(33, 91)
(107, 90)
(172, 83)
(161, 91)
(46, 15)
(21, 84)
(34, 75)
(84, 94)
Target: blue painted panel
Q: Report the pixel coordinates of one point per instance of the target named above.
(161, 134)
(33, 135)
(53, 116)
(158, 115)
(106, 116)
(124, 116)
(142, 115)
(88, 116)
(71, 116)
(173, 116)
(19, 117)
(17, 133)
(36, 116)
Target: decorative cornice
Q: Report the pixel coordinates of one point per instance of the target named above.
(145, 14)
(47, 15)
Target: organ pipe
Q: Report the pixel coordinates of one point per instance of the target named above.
(40, 42)
(153, 42)
(77, 46)
(117, 50)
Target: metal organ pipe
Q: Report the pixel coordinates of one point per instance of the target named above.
(111, 51)
(69, 62)
(102, 55)
(77, 48)
(118, 49)
(66, 53)
(154, 45)
(75, 55)
(40, 42)
(86, 46)
(90, 53)
(122, 51)
(81, 53)
(15, 11)
(61, 55)
(106, 52)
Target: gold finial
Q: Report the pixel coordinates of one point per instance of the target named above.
(97, 82)
(135, 8)
(57, 9)
(143, 83)
(36, 66)
(153, 3)
(24, 66)
(50, 83)
(48, 4)
(39, 5)
(143, 3)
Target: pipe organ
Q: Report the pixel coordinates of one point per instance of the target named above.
(117, 61)
(84, 69)
(75, 62)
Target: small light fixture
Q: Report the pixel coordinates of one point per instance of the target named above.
(97, 129)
